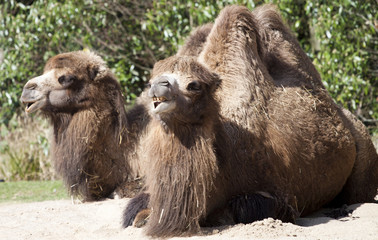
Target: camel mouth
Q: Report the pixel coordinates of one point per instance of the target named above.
(32, 106)
(158, 100)
(162, 105)
(28, 105)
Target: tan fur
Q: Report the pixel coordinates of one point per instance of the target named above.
(278, 131)
(142, 218)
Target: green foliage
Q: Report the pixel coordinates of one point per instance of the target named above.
(131, 35)
(347, 53)
(340, 36)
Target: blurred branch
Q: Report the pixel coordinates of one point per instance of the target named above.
(365, 120)
(1, 56)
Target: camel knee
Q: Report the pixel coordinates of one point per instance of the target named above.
(248, 208)
(257, 206)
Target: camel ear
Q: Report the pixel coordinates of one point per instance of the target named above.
(216, 83)
(96, 72)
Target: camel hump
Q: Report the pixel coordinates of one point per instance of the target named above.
(234, 32)
(233, 50)
(268, 16)
(283, 56)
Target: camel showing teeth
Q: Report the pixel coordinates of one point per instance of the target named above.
(159, 99)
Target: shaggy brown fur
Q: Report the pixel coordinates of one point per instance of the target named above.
(181, 152)
(316, 142)
(360, 184)
(289, 66)
(280, 134)
(94, 141)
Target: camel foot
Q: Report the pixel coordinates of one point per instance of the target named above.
(134, 207)
(141, 218)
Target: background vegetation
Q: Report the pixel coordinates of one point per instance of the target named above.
(340, 36)
(26, 191)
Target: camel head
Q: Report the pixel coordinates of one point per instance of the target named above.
(66, 85)
(182, 90)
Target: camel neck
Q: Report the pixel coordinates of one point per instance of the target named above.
(181, 174)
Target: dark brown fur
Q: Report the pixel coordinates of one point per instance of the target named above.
(94, 141)
(289, 66)
(280, 133)
(291, 146)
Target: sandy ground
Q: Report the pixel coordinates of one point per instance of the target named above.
(101, 220)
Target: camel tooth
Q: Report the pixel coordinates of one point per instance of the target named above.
(159, 99)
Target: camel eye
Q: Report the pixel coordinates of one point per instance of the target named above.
(194, 86)
(66, 80)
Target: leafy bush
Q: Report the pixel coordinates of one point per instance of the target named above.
(347, 53)
(340, 36)
(131, 35)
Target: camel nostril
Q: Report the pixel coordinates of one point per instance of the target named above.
(31, 86)
(164, 83)
(151, 93)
